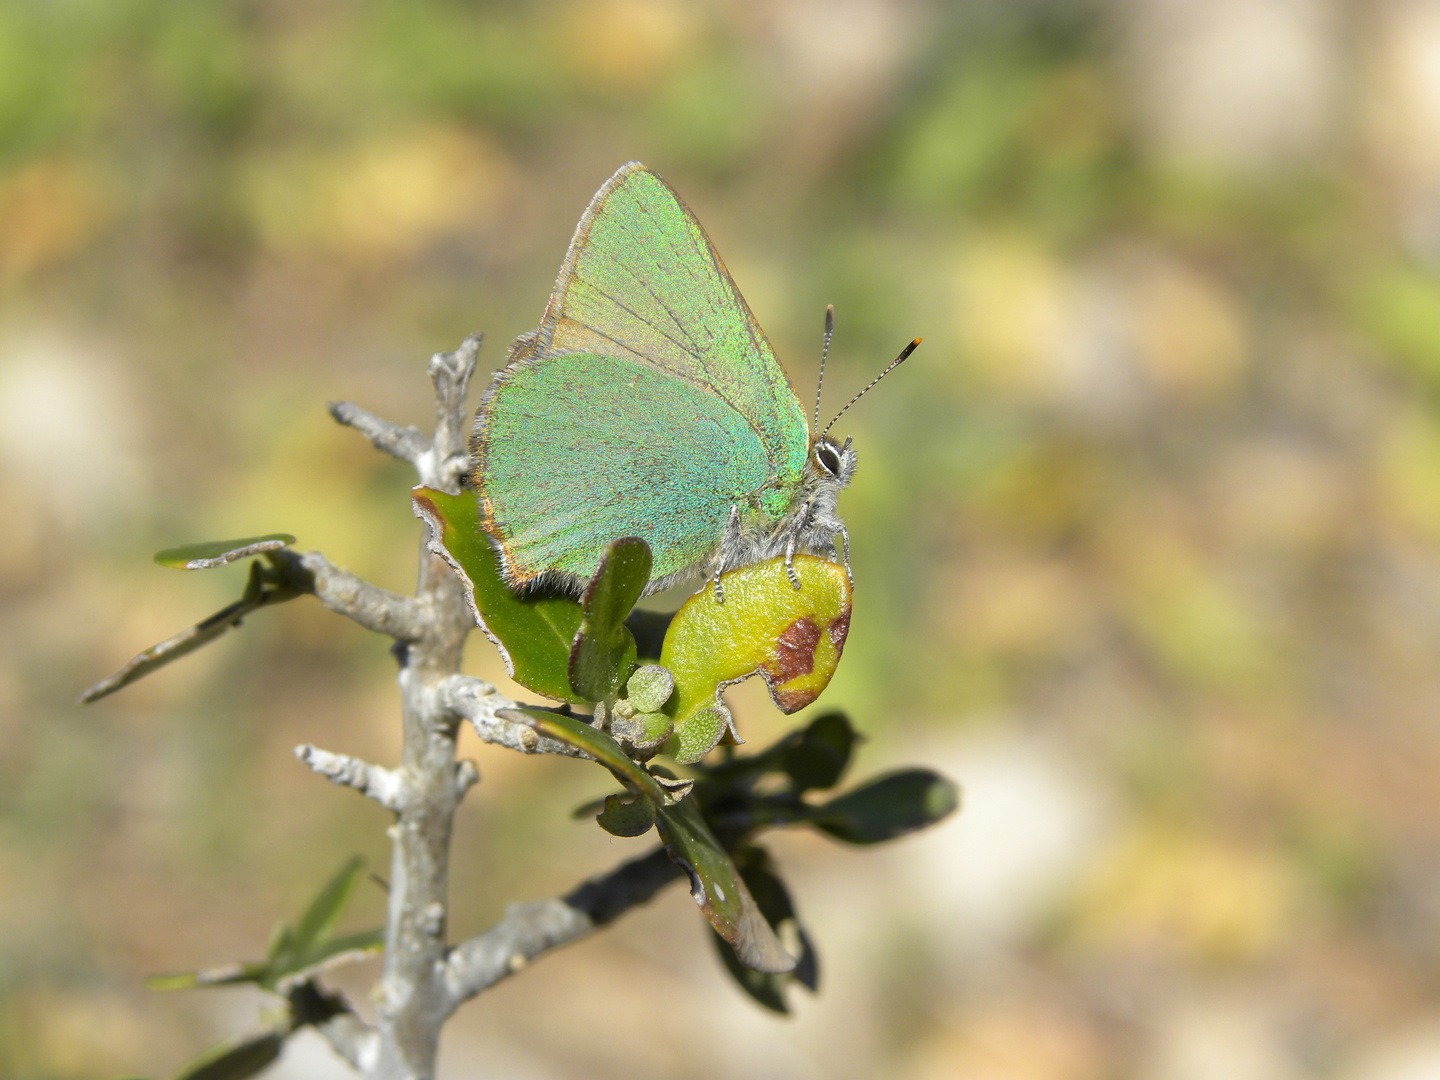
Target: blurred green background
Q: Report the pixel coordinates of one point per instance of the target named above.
(1146, 536)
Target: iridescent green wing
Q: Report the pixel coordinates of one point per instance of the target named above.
(581, 449)
(647, 403)
(642, 281)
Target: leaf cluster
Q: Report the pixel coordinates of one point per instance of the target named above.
(584, 652)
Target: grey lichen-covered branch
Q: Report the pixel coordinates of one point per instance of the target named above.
(423, 979)
(529, 930)
(399, 617)
(485, 708)
(373, 781)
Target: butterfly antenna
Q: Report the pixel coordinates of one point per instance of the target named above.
(824, 351)
(904, 355)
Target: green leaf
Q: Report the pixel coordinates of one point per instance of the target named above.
(714, 882)
(627, 815)
(889, 806)
(333, 952)
(792, 638)
(324, 911)
(814, 756)
(236, 1058)
(226, 975)
(649, 688)
(775, 904)
(718, 889)
(821, 753)
(294, 953)
(768, 988)
(533, 632)
(765, 987)
(603, 652)
(211, 553)
(298, 952)
(596, 743)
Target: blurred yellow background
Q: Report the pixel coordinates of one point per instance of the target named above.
(1146, 536)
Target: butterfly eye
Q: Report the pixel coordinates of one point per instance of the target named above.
(827, 457)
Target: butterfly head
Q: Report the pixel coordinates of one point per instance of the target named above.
(832, 462)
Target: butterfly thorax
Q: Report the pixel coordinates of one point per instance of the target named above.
(807, 522)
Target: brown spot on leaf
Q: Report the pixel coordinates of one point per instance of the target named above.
(788, 701)
(838, 628)
(795, 650)
(793, 657)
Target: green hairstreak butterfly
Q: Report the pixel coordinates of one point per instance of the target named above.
(649, 403)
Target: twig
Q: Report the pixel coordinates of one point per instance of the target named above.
(530, 930)
(405, 443)
(288, 575)
(259, 592)
(330, 1015)
(399, 617)
(450, 372)
(353, 1039)
(411, 1002)
(481, 704)
(380, 784)
(467, 775)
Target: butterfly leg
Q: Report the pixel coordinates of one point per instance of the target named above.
(790, 562)
(845, 543)
(732, 529)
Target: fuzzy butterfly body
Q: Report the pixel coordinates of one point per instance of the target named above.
(649, 403)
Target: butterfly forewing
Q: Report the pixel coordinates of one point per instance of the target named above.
(642, 279)
(647, 403)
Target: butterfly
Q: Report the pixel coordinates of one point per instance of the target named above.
(649, 403)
